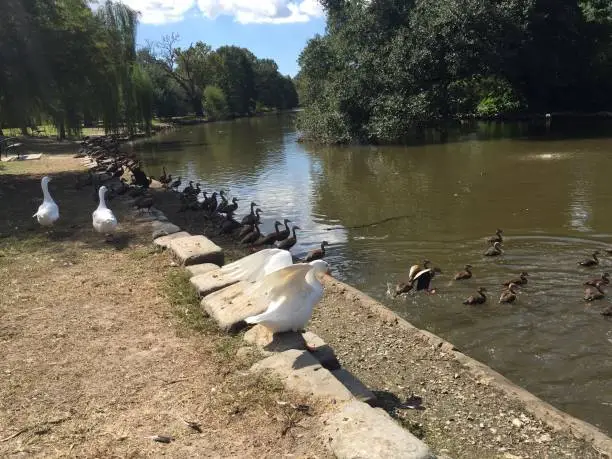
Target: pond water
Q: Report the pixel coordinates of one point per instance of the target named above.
(383, 209)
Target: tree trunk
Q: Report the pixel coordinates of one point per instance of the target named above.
(197, 106)
(24, 130)
(61, 131)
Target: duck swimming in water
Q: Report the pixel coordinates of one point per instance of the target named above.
(466, 274)
(421, 275)
(521, 280)
(316, 254)
(508, 295)
(497, 237)
(593, 261)
(286, 244)
(479, 298)
(592, 294)
(603, 280)
(494, 251)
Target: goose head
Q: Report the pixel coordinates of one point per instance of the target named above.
(319, 267)
(324, 244)
(259, 211)
(235, 200)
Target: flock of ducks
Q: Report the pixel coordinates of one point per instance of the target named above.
(420, 276)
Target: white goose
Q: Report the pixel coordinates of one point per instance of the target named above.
(291, 294)
(257, 265)
(48, 211)
(104, 221)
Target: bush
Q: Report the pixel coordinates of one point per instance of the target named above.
(215, 103)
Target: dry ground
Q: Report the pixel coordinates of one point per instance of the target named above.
(104, 345)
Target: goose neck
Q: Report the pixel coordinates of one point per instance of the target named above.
(101, 193)
(45, 190)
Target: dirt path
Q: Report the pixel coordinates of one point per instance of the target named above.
(104, 346)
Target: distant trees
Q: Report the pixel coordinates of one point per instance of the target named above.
(385, 68)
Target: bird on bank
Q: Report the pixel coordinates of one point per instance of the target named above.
(284, 234)
(175, 184)
(144, 202)
(48, 212)
(521, 280)
(231, 207)
(508, 295)
(270, 238)
(593, 293)
(251, 218)
(252, 236)
(479, 298)
(497, 237)
(316, 254)
(590, 262)
(104, 221)
(466, 274)
(286, 244)
(603, 280)
(229, 225)
(291, 294)
(494, 250)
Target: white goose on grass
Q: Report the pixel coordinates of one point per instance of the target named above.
(257, 265)
(104, 221)
(48, 211)
(291, 294)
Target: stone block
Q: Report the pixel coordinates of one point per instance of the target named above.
(163, 229)
(269, 342)
(302, 373)
(229, 307)
(358, 431)
(164, 241)
(354, 385)
(196, 270)
(210, 282)
(194, 250)
(321, 351)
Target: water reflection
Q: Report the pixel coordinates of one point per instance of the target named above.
(382, 209)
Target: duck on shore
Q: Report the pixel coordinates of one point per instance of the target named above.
(286, 244)
(270, 238)
(48, 212)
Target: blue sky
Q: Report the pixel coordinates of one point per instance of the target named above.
(277, 29)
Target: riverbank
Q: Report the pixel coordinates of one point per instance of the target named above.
(396, 361)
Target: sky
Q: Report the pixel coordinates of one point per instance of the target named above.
(276, 29)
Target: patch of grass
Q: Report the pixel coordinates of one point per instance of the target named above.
(140, 253)
(185, 302)
(415, 428)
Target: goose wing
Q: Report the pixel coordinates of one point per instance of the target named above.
(255, 266)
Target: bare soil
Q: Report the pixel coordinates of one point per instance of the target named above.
(104, 345)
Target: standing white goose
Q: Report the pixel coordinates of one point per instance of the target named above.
(291, 294)
(104, 221)
(48, 211)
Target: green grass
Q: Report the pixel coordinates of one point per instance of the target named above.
(185, 302)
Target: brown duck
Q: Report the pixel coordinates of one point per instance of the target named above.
(284, 234)
(479, 298)
(497, 237)
(290, 241)
(316, 254)
(251, 218)
(270, 238)
(593, 261)
(521, 280)
(509, 295)
(494, 250)
(603, 280)
(252, 236)
(466, 274)
(592, 294)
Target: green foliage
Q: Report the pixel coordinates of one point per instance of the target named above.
(215, 103)
(387, 68)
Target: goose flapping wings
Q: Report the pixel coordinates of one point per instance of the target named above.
(257, 265)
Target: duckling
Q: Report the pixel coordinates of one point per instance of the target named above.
(591, 294)
(316, 254)
(494, 251)
(497, 237)
(603, 280)
(251, 237)
(508, 295)
(286, 244)
(594, 261)
(521, 280)
(270, 238)
(479, 298)
(467, 274)
(250, 218)
(284, 234)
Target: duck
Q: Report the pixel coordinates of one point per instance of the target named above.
(466, 274)
(229, 224)
(176, 183)
(231, 207)
(224, 202)
(252, 217)
(48, 212)
(104, 221)
(286, 244)
(521, 280)
(603, 280)
(164, 177)
(422, 275)
(144, 202)
(284, 234)
(316, 254)
(291, 294)
(479, 298)
(497, 237)
(494, 250)
(594, 261)
(592, 294)
(270, 238)
(189, 189)
(210, 204)
(252, 236)
(406, 284)
(508, 295)
(246, 229)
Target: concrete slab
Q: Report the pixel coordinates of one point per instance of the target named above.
(164, 241)
(229, 307)
(354, 385)
(161, 228)
(194, 250)
(211, 282)
(321, 351)
(359, 431)
(196, 270)
(302, 373)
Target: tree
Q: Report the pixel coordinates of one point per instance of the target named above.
(232, 70)
(215, 103)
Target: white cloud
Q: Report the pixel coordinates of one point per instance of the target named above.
(244, 11)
